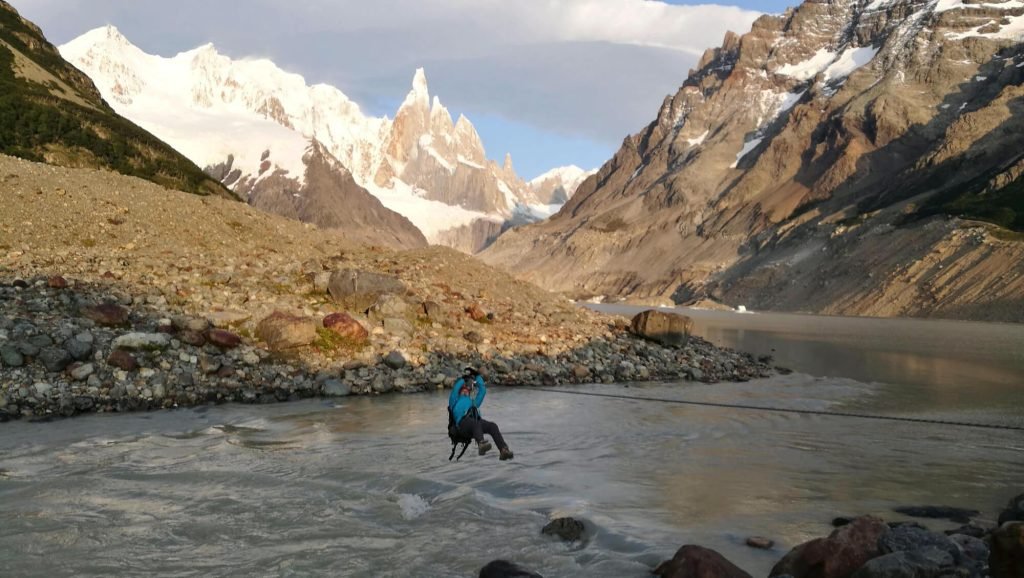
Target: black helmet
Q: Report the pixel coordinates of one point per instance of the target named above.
(470, 371)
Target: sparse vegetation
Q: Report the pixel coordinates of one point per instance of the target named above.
(37, 125)
(328, 341)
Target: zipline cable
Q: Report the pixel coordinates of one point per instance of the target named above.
(784, 409)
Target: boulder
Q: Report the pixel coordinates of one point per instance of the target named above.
(193, 338)
(122, 360)
(911, 538)
(336, 388)
(924, 563)
(476, 312)
(567, 529)
(665, 328)
(11, 357)
(222, 338)
(839, 555)
(1007, 557)
(397, 326)
(395, 360)
(1014, 511)
(433, 310)
(281, 331)
(360, 290)
(55, 359)
(344, 325)
(506, 569)
(760, 542)
(106, 314)
(698, 562)
(78, 349)
(57, 282)
(390, 306)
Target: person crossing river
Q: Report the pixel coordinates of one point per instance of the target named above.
(465, 411)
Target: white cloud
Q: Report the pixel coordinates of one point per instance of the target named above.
(588, 68)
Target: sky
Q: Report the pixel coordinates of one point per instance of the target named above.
(553, 82)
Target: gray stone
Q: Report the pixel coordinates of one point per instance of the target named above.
(567, 529)
(55, 359)
(395, 360)
(142, 341)
(11, 357)
(360, 290)
(42, 388)
(397, 326)
(81, 371)
(924, 563)
(79, 350)
(336, 388)
(41, 341)
(390, 306)
(28, 349)
(910, 538)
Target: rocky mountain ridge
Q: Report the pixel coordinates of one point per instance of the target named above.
(813, 164)
(50, 111)
(422, 164)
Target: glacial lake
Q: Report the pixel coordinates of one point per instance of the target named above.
(363, 486)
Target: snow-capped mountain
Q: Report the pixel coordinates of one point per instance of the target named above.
(814, 164)
(558, 185)
(422, 165)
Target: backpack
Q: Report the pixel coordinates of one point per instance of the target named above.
(456, 436)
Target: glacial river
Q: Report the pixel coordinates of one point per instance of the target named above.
(363, 487)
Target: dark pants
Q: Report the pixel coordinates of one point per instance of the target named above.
(476, 428)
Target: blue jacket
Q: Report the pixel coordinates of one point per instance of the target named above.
(461, 404)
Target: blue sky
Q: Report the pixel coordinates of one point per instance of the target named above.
(535, 150)
(554, 83)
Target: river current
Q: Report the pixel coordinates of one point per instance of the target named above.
(363, 486)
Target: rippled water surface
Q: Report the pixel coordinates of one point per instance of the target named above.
(363, 487)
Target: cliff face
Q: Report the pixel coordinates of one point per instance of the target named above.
(830, 142)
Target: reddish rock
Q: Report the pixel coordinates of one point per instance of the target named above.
(844, 551)
(760, 542)
(121, 359)
(223, 338)
(284, 331)
(193, 338)
(344, 325)
(107, 314)
(698, 562)
(57, 282)
(476, 312)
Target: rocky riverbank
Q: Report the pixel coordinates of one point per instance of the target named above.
(861, 547)
(119, 295)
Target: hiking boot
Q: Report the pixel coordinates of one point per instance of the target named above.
(505, 454)
(483, 447)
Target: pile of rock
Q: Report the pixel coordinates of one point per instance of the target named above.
(864, 547)
(72, 347)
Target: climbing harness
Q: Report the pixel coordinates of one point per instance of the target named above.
(456, 436)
